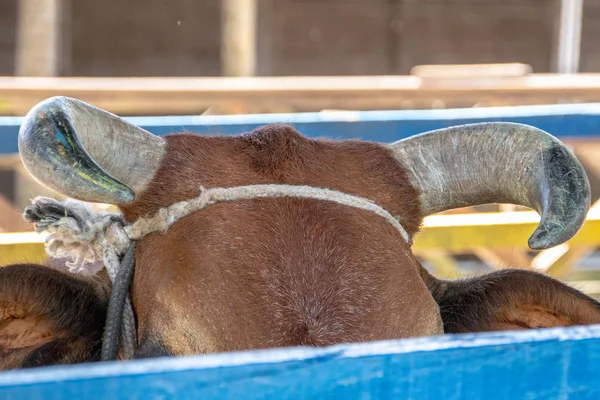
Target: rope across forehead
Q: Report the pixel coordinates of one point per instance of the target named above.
(77, 232)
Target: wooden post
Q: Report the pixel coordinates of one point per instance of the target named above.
(238, 37)
(38, 37)
(569, 37)
(264, 38)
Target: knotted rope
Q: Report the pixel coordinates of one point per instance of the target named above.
(77, 232)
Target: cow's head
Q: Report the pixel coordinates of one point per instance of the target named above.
(276, 272)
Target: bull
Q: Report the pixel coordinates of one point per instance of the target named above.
(267, 271)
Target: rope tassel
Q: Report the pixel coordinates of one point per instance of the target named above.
(77, 232)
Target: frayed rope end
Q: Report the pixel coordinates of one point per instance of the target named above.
(75, 231)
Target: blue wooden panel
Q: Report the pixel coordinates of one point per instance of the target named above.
(539, 364)
(384, 126)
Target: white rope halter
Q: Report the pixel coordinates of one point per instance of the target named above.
(77, 232)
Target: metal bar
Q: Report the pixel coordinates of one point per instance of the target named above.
(569, 37)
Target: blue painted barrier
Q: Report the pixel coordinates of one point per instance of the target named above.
(572, 120)
(561, 363)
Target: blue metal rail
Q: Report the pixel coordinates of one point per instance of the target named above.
(572, 120)
(540, 364)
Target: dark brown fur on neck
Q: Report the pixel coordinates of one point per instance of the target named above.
(511, 300)
(48, 316)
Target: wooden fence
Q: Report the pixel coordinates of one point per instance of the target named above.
(236, 95)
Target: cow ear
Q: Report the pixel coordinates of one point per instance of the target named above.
(512, 300)
(48, 316)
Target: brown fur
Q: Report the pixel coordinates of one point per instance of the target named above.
(511, 299)
(283, 272)
(278, 272)
(49, 317)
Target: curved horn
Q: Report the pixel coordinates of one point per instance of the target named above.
(87, 153)
(499, 163)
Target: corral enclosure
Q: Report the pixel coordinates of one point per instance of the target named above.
(351, 64)
(306, 37)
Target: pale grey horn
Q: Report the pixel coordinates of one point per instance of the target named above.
(499, 163)
(87, 153)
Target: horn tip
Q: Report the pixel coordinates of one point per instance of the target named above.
(543, 239)
(540, 241)
(549, 235)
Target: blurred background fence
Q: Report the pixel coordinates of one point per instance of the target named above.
(371, 69)
(292, 37)
(228, 66)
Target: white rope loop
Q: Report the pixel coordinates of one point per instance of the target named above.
(77, 232)
(166, 217)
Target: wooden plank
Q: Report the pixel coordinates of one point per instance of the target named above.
(21, 247)
(471, 70)
(238, 37)
(22, 253)
(459, 233)
(589, 59)
(177, 96)
(537, 364)
(463, 232)
(39, 31)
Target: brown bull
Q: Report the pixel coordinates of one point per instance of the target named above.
(272, 272)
